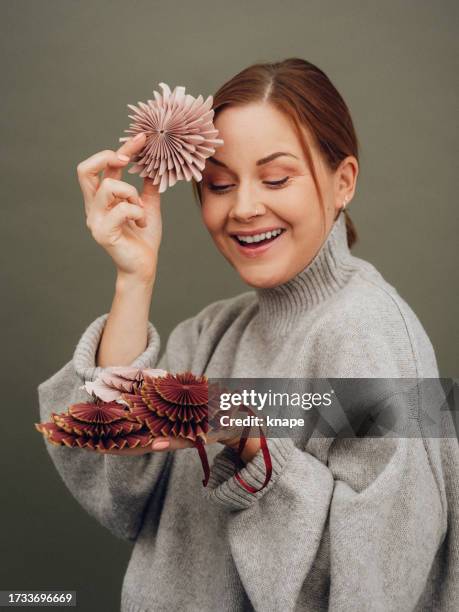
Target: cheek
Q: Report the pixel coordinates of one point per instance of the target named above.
(212, 216)
(295, 204)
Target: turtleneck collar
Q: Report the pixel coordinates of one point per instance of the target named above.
(326, 273)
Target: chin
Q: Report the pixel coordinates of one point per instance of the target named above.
(260, 281)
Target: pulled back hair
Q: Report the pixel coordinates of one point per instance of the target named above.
(307, 97)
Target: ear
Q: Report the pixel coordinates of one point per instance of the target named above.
(346, 181)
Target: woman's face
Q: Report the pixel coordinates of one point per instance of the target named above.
(248, 174)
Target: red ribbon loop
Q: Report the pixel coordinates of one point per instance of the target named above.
(266, 457)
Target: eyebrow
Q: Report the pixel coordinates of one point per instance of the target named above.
(260, 162)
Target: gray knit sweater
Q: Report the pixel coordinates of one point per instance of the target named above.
(343, 525)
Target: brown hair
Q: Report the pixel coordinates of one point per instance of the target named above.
(306, 95)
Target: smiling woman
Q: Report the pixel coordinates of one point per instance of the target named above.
(288, 162)
(344, 523)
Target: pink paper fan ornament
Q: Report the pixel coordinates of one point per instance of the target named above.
(180, 136)
(117, 379)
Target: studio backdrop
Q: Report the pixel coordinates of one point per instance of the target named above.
(69, 70)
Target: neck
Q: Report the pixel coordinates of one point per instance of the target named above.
(328, 271)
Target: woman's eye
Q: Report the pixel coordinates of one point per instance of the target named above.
(218, 188)
(224, 188)
(280, 183)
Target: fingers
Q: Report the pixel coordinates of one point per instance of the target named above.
(128, 149)
(138, 450)
(121, 213)
(88, 170)
(150, 193)
(174, 444)
(159, 444)
(112, 191)
(122, 201)
(133, 145)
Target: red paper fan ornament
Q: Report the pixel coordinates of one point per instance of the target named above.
(186, 406)
(175, 406)
(180, 136)
(95, 425)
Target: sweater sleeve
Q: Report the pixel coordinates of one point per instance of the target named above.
(362, 524)
(371, 520)
(113, 489)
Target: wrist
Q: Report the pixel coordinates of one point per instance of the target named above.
(134, 282)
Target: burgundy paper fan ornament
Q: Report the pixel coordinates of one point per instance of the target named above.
(176, 406)
(95, 425)
(186, 406)
(180, 136)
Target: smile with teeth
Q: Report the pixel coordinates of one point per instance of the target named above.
(259, 238)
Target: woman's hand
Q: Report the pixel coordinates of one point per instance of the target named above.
(173, 444)
(164, 443)
(126, 225)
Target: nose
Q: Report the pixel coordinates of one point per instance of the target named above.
(245, 205)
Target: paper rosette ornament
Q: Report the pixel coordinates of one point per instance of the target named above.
(95, 425)
(158, 403)
(104, 423)
(180, 136)
(116, 379)
(177, 406)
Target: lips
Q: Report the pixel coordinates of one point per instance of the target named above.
(254, 249)
(256, 244)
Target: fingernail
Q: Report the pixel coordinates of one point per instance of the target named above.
(123, 158)
(140, 202)
(138, 137)
(161, 444)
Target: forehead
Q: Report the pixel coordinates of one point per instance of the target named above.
(256, 130)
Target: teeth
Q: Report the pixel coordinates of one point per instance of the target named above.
(259, 237)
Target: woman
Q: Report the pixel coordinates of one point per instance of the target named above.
(344, 524)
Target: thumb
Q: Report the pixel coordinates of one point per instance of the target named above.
(150, 195)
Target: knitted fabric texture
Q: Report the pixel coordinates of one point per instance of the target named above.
(344, 524)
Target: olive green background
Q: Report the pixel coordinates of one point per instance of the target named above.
(69, 68)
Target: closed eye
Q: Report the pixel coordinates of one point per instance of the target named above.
(272, 185)
(279, 183)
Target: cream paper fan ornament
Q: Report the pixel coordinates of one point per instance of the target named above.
(180, 136)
